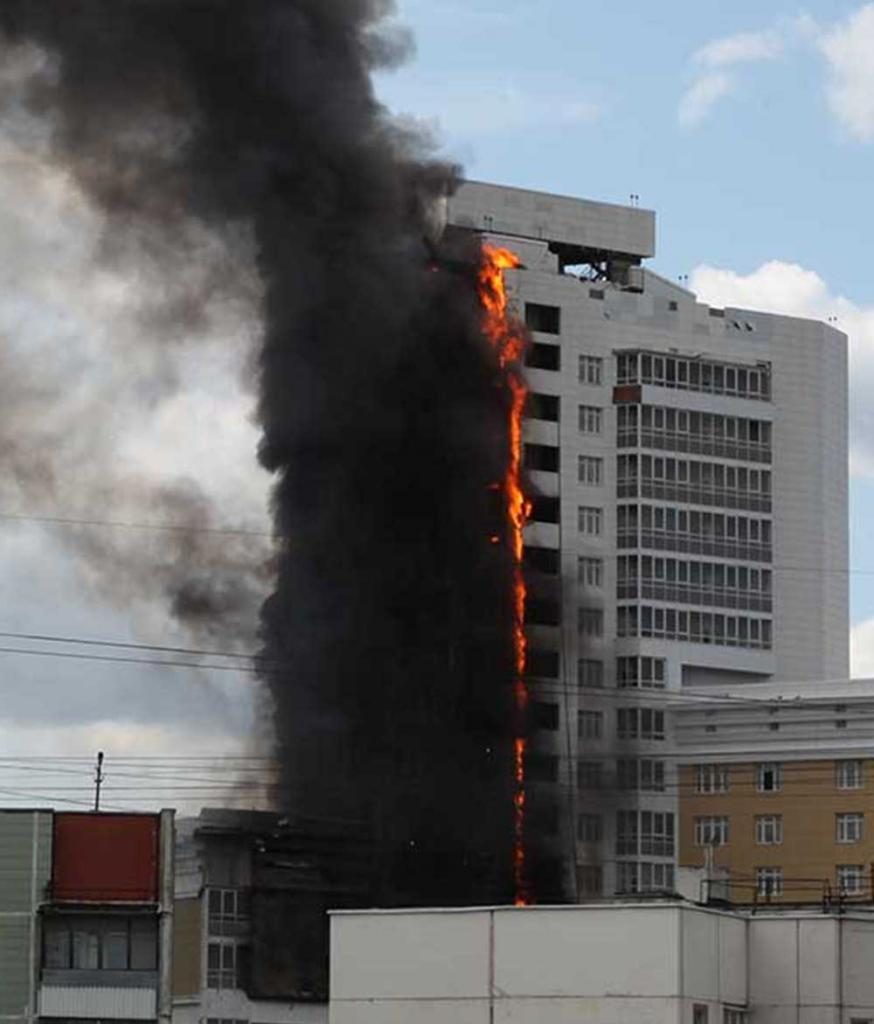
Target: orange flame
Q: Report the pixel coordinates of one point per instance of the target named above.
(508, 340)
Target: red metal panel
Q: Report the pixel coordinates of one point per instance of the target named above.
(623, 393)
(105, 858)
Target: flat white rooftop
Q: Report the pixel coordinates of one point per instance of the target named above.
(605, 227)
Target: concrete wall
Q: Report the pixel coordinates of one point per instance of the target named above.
(25, 869)
(651, 964)
(593, 965)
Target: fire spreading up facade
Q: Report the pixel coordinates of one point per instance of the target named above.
(688, 519)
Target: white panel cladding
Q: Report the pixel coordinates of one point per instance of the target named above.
(71, 1001)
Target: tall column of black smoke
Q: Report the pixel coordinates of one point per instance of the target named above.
(386, 641)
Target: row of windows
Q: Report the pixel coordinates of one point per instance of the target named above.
(632, 672)
(731, 437)
(647, 833)
(706, 425)
(700, 583)
(643, 876)
(643, 774)
(715, 778)
(669, 528)
(631, 724)
(631, 877)
(851, 880)
(714, 575)
(701, 483)
(693, 627)
(100, 944)
(713, 830)
(694, 374)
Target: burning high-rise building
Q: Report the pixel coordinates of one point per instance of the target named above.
(690, 526)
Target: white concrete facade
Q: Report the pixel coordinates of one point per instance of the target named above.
(696, 459)
(657, 963)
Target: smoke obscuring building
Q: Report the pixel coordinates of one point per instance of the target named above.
(691, 523)
(252, 894)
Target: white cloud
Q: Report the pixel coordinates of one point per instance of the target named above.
(862, 650)
(742, 48)
(715, 78)
(701, 97)
(793, 290)
(848, 48)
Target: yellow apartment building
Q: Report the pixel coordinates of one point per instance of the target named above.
(776, 791)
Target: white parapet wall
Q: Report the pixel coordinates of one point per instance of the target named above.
(601, 964)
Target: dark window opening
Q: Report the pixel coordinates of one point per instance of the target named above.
(543, 560)
(542, 407)
(541, 611)
(542, 663)
(542, 767)
(543, 357)
(541, 457)
(544, 509)
(544, 716)
(546, 319)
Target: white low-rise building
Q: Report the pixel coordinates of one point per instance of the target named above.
(650, 963)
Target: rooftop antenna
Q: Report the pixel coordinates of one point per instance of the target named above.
(98, 779)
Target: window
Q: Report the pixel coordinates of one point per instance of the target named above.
(849, 774)
(590, 828)
(591, 370)
(590, 471)
(657, 834)
(542, 457)
(228, 908)
(590, 881)
(545, 664)
(645, 774)
(769, 882)
(544, 715)
(590, 621)
(542, 767)
(626, 833)
(699, 1014)
(543, 357)
(712, 778)
(711, 831)
(590, 520)
(849, 827)
(590, 774)
(590, 673)
(546, 319)
(590, 572)
(590, 725)
(92, 943)
(543, 407)
(224, 964)
(769, 829)
(851, 879)
(769, 777)
(643, 723)
(656, 877)
(646, 673)
(590, 419)
(734, 1015)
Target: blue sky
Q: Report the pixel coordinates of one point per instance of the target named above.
(748, 127)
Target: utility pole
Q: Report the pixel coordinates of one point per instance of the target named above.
(98, 780)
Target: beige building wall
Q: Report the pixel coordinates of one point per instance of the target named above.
(808, 804)
(187, 943)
